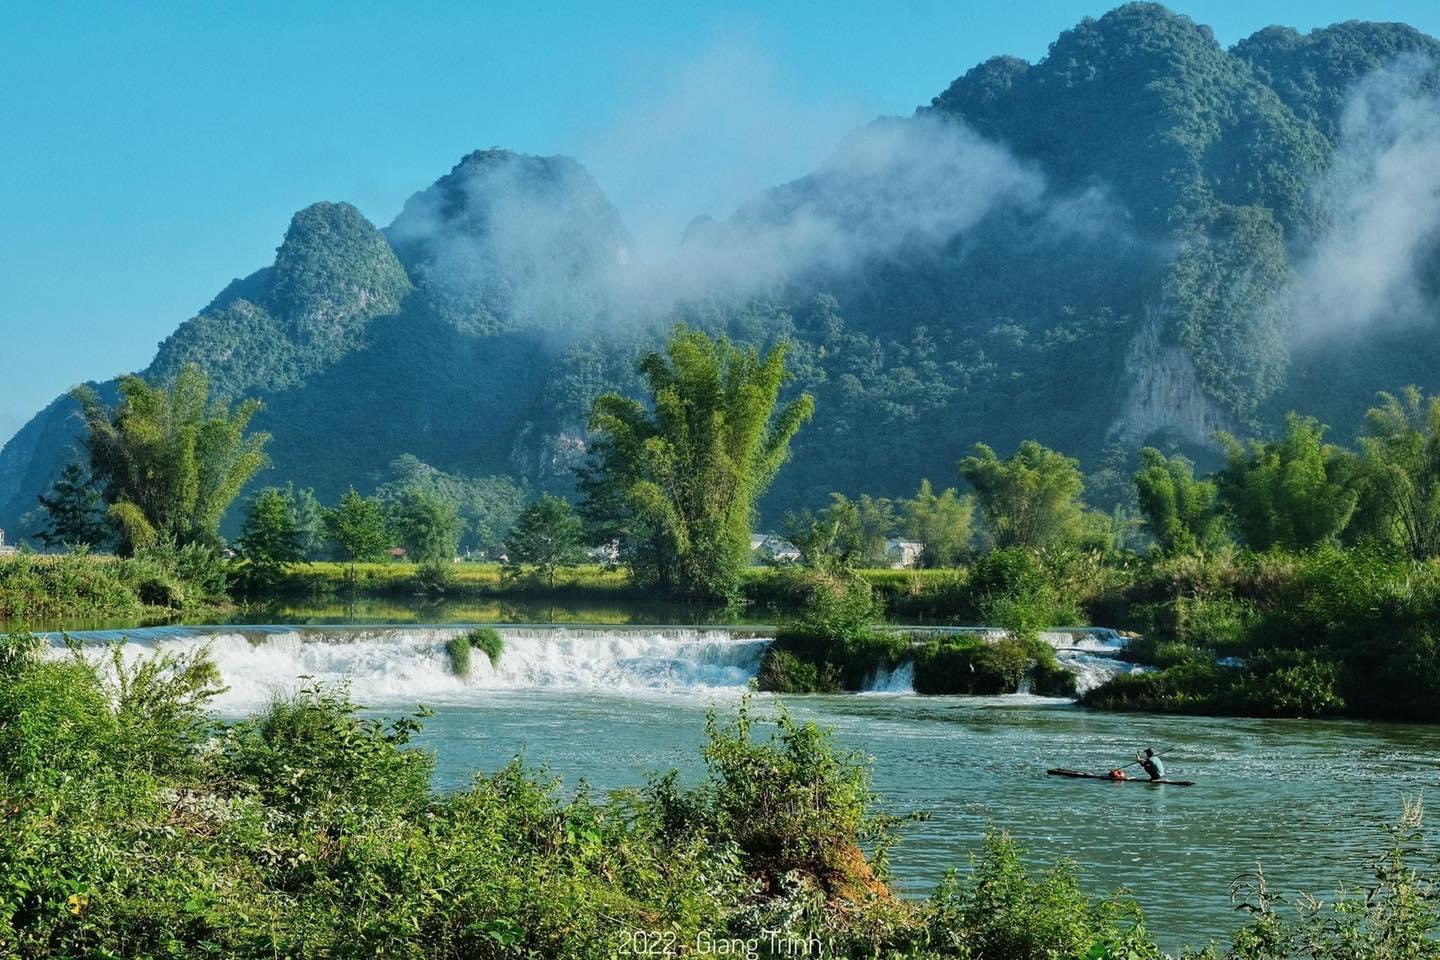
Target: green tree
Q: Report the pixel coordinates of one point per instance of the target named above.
(1400, 451)
(76, 511)
(428, 527)
(1031, 499)
(488, 505)
(549, 535)
(1292, 492)
(357, 528)
(170, 460)
(309, 520)
(943, 522)
(270, 539)
(1181, 512)
(692, 468)
(832, 538)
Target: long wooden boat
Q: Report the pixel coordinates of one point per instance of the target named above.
(1079, 775)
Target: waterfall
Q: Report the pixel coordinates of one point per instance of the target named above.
(899, 680)
(1091, 653)
(408, 665)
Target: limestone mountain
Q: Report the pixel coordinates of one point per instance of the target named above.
(1120, 243)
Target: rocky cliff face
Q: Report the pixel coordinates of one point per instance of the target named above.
(1160, 392)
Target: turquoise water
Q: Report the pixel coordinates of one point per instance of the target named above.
(1301, 797)
(612, 705)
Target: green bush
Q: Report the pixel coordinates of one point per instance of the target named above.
(457, 650)
(782, 671)
(433, 579)
(999, 910)
(836, 638)
(488, 641)
(485, 639)
(1273, 683)
(135, 826)
(967, 664)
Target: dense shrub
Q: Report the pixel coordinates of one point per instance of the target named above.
(1274, 683)
(134, 826)
(836, 637)
(489, 642)
(485, 639)
(967, 664)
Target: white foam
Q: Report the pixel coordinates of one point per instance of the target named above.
(402, 665)
(899, 680)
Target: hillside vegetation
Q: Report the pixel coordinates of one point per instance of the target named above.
(1107, 247)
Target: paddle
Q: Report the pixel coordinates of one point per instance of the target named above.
(1157, 753)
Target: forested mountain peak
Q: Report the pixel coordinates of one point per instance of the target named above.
(333, 273)
(1148, 102)
(1313, 73)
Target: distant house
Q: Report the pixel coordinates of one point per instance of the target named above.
(4, 550)
(903, 554)
(772, 549)
(606, 553)
(398, 553)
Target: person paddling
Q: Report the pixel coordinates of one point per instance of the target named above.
(1151, 763)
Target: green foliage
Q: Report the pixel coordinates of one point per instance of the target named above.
(1180, 511)
(76, 512)
(547, 537)
(309, 521)
(170, 461)
(333, 274)
(1400, 449)
(135, 825)
(967, 664)
(489, 506)
(1229, 291)
(78, 586)
(792, 803)
(458, 649)
(1273, 683)
(270, 539)
(846, 534)
(999, 910)
(942, 522)
(358, 529)
(1290, 492)
(488, 641)
(1012, 588)
(833, 644)
(428, 526)
(1392, 915)
(310, 755)
(1031, 499)
(690, 471)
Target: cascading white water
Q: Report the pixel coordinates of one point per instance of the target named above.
(899, 680)
(1091, 653)
(387, 666)
(403, 665)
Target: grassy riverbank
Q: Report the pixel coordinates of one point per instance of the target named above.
(155, 584)
(1330, 631)
(136, 826)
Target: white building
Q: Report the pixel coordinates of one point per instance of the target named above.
(769, 548)
(4, 550)
(903, 554)
(606, 553)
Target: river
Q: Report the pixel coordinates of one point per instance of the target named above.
(613, 704)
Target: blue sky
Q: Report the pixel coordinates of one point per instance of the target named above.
(150, 152)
